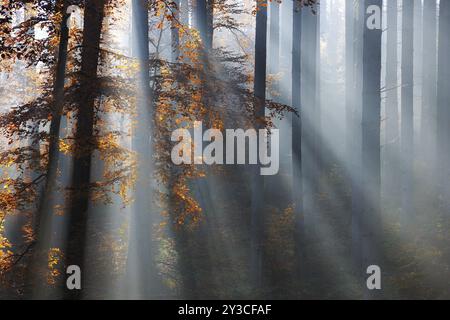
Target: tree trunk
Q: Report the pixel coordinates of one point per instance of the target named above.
(429, 94)
(407, 122)
(79, 203)
(141, 269)
(370, 224)
(210, 24)
(274, 48)
(349, 82)
(257, 199)
(392, 117)
(201, 17)
(274, 184)
(310, 121)
(43, 219)
(175, 32)
(297, 183)
(443, 110)
(356, 145)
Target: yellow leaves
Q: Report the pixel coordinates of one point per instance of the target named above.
(28, 232)
(181, 120)
(160, 25)
(5, 252)
(107, 142)
(54, 259)
(11, 127)
(197, 96)
(217, 121)
(181, 32)
(59, 210)
(8, 159)
(190, 46)
(260, 5)
(195, 79)
(191, 208)
(119, 173)
(4, 242)
(165, 71)
(161, 8)
(123, 191)
(54, 256)
(54, 42)
(65, 147)
(128, 68)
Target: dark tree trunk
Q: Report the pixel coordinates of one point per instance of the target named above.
(257, 197)
(310, 118)
(356, 145)
(210, 24)
(274, 48)
(274, 183)
(85, 117)
(349, 81)
(55, 124)
(42, 223)
(205, 29)
(175, 32)
(297, 182)
(369, 220)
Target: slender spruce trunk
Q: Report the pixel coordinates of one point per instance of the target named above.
(257, 193)
(370, 222)
(443, 111)
(43, 219)
(429, 79)
(407, 112)
(297, 179)
(392, 142)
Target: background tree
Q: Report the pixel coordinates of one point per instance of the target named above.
(407, 120)
(443, 131)
(369, 216)
(429, 96)
(392, 114)
(257, 214)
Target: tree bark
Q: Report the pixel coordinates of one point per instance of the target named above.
(310, 118)
(392, 116)
(407, 120)
(297, 183)
(203, 18)
(370, 224)
(84, 132)
(43, 219)
(443, 111)
(429, 95)
(141, 267)
(257, 199)
(175, 32)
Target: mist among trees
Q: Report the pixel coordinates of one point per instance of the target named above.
(91, 92)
